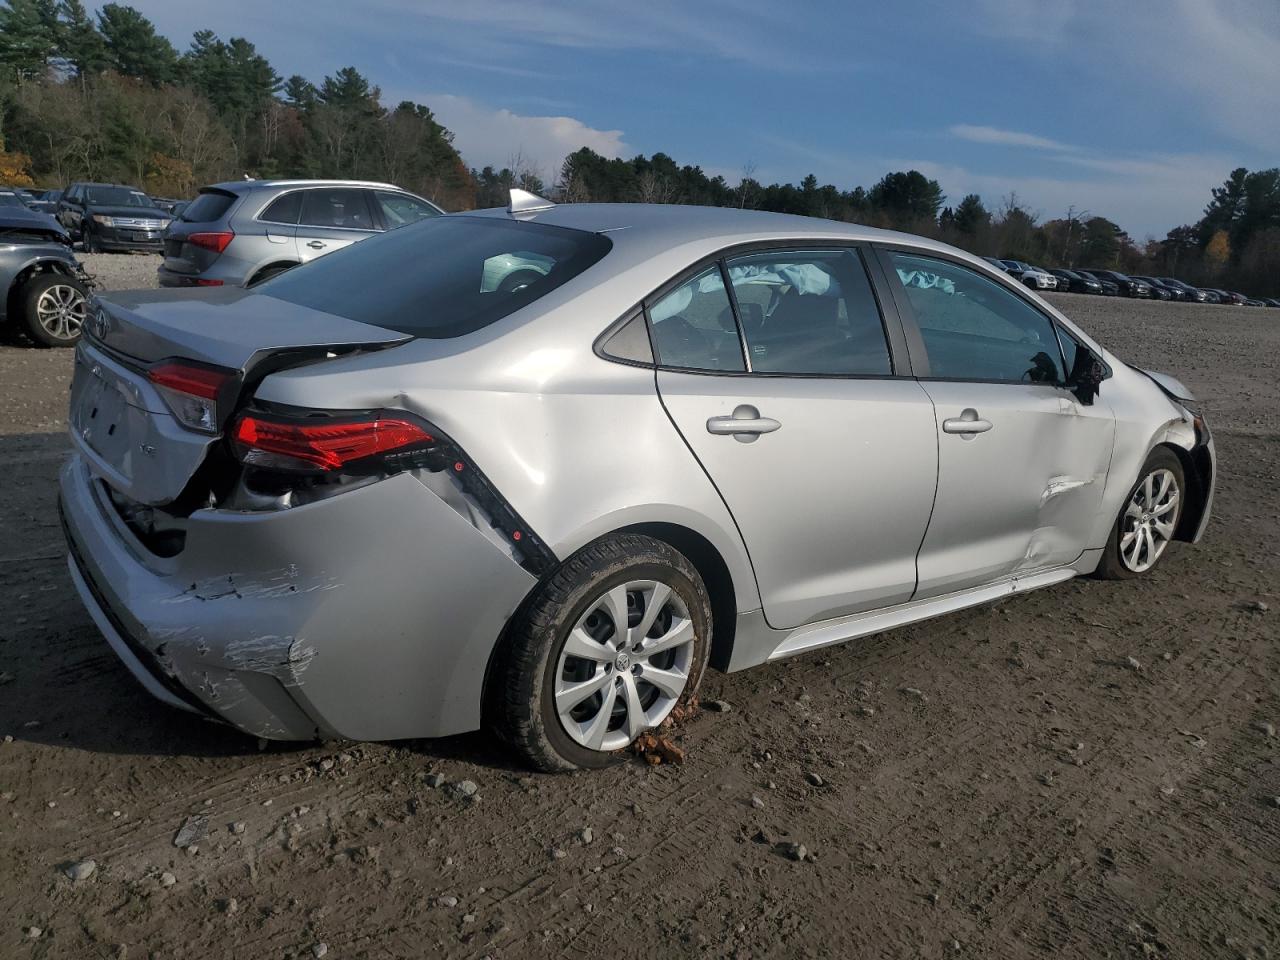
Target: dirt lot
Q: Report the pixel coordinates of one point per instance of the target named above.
(1004, 782)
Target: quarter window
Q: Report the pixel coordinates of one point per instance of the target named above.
(974, 328)
(809, 312)
(284, 209)
(693, 326)
(342, 207)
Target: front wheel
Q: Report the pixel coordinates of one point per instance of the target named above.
(54, 308)
(1148, 519)
(604, 650)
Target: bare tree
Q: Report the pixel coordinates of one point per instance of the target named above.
(653, 187)
(747, 186)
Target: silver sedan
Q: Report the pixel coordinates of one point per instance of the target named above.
(537, 468)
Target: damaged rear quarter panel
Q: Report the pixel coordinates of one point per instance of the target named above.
(376, 610)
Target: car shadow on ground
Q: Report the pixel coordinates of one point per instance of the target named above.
(60, 683)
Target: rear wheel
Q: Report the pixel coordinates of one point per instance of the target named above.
(604, 650)
(54, 307)
(1148, 519)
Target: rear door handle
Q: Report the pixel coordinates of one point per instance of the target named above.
(745, 425)
(316, 245)
(967, 424)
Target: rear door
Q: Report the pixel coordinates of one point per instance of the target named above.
(332, 218)
(817, 438)
(1022, 463)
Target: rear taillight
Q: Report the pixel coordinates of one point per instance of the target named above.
(190, 390)
(304, 456)
(217, 242)
(324, 444)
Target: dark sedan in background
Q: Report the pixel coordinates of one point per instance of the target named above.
(1109, 287)
(1189, 293)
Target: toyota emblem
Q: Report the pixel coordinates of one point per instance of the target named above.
(100, 324)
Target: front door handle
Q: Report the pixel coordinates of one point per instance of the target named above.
(967, 424)
(745, 425)
(316, 245)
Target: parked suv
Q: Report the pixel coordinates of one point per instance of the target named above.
(1033, 277)
(1075, 282)
(242, 232)
(111, 216)
(1128, 286)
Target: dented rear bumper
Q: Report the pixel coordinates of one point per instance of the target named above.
(370, 615)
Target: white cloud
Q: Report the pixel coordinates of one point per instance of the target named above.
(1011, 138)
(486, 136)
(748, 31)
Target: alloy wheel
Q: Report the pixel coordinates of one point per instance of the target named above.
(624, 664)
(1149, 520)
(61, 311)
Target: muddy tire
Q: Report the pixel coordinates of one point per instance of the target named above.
(53, 308)
(572, 690)
(1148, 518)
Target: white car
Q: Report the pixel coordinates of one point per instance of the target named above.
(1037, 278)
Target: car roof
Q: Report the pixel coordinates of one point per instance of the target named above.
(244, 186)
(681, 222)
(647, 224)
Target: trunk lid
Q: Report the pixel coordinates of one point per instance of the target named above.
(121, 423)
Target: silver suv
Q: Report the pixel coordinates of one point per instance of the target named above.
(243, 232)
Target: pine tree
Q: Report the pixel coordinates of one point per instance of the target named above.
(133, 46)
(28, 37)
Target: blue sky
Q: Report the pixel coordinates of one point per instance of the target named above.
(1131, 109)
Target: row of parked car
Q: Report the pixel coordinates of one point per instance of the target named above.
(1111, 283)
(235, 234)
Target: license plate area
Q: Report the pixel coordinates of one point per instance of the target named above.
(102, 417)
(121, 426)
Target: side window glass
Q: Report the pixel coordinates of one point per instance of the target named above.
(336, 207)
(284, 209)
(809, 312)
(400, 208)
(975, 329)
(693, 326)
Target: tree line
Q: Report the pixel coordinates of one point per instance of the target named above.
(106, 97)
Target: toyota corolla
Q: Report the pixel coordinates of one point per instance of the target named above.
(537, 468)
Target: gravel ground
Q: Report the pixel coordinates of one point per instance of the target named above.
(1003, 782)
(122, 271)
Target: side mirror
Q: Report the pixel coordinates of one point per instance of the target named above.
(1087, 374)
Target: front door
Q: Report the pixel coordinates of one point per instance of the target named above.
(1022, 463)
(825, 458)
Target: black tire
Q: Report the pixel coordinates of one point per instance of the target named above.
(29, 298)
(1112, 565)
(522, 706)
(89, 241)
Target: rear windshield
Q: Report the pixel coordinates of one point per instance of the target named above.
(441, 277)
(209, 206)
